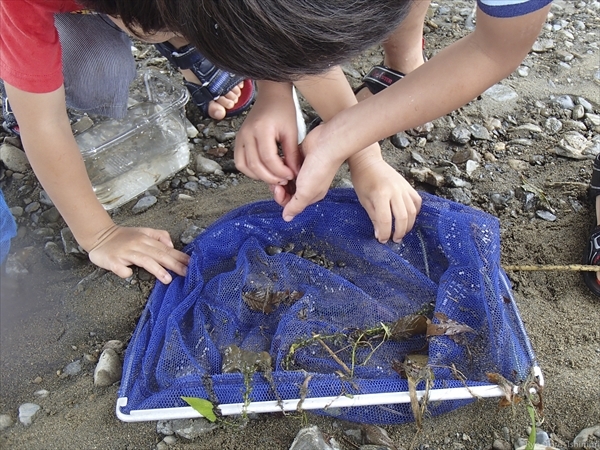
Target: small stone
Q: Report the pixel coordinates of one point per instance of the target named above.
(72, 368)
(594, 119)
(45, 199)
(578, 112)
(59, 258)
(192, 428)
(479, 132)
(553, 125)
(109, 369)
(16, 211)
(32, 207)
(465, 154)
(518, 165)
(26, 413)
(70, 245)
(584, 435)
(14, 158)
(400, 140)
(542, 45)
(42, 393)
(471, 167)
(164, 427)
(523, 71)
(427, 176)
(501, 93)
(144, 204)
(169, 440)
(564, 101)
(5, 422)
(499, 444)
(461, 134)
(206, 166)
(190, 234)
(114, 344)
(587, 106)
(309, 438)
(545, 215)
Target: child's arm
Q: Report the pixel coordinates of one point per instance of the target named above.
(58, 165)
(386, 196)
(271, 121)
(449, 80)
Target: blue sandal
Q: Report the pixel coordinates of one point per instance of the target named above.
(591, 255)
(215, 82)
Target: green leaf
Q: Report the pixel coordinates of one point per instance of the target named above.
(531, 441)
(201, 405)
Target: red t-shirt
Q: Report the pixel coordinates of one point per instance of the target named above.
(30, 53)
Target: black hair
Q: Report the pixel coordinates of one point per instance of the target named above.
(279, 40)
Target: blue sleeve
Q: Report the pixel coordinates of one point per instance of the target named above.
(8, 228)
(511, 8)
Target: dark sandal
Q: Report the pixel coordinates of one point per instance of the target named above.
(215, 82)
(592, 257)
(9, 124)
(592, 250)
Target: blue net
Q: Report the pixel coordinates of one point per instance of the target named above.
(317, 307)
(8, 228)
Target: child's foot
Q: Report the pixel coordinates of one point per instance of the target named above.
(217, 93)
(392, 70)
(592, 250)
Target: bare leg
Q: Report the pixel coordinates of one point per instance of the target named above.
(403, 49)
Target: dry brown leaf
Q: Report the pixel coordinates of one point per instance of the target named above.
(507, 388)
(408, 326)
(447, 327)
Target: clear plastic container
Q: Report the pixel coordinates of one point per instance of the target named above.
(125, 157)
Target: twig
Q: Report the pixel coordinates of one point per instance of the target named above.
(333, 355)
(542, 267)
(568, 183)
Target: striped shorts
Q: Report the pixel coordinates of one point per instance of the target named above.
(98, 65)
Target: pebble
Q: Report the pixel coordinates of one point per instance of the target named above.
(190, 233)
(587, 106)
(144, 204)
(14, 158)
(400, 140)
(542, 45)
(26, 413)
(59, 258)
(553, 125)
(480, 132)
(206, 166)
(523, 71)
(501, 93)
(72, 368)
(42, 393)
(192, 428)
(460, 134)
(109, 369)
(564, 101)
(310, 438)
(582, 438)
(545, 215)
(70, 245)
(5, 422)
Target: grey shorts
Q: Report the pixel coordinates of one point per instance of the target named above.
(98, 65)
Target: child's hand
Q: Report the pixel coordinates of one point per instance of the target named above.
(121, 247)
(386, 196)
(321, 163)
(269, 125)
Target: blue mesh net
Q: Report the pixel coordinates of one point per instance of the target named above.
(8, 228)
(257, 284)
